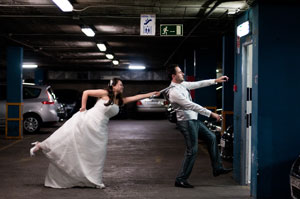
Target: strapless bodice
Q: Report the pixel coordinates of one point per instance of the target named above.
(108, 111)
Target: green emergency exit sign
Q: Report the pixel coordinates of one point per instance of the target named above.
(171, 29)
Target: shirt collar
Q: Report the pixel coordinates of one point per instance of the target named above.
(174, 84)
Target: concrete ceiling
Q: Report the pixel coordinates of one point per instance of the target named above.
(53, 39)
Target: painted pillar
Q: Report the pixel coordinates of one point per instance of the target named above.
(278, 108)
(275, 109)
(14, 104)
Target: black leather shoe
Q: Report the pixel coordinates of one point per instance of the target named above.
(183, 184)
(221, 171)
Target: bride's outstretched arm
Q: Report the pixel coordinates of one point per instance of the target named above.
(139, 97)
(93, 93)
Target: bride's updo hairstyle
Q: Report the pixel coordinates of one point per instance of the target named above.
(111, 94)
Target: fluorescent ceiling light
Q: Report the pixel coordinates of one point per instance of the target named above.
(88, 31)
(115, 62)
(107, 28)
(231, 12)
(101, 47)
(64, 5)
(109, 56)
(243, 29)
(136, 67)
(30, 66)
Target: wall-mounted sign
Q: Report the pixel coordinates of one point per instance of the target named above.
(148, 24)
(171, 29)
(243, 29)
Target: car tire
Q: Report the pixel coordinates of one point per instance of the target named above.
(31, 123)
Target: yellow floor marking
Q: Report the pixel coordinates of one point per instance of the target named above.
(15, 142)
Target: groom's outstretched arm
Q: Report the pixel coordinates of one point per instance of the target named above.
(204, 83)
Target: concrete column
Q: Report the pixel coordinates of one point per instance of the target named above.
(14, 105)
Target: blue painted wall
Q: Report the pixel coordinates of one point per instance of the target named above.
(276, 69)
(206, 69)
(39, 76)
(278, 101)
(228, 70)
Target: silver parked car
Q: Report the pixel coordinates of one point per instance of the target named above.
(151, 105)
(40, 106)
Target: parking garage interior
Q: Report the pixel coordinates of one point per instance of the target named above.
(260, 100)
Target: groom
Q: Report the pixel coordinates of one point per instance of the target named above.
(189, 125)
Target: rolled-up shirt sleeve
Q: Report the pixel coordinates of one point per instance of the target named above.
(177, 98)
(198, 84)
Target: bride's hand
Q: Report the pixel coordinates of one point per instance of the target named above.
(156, 93)
(82, 109)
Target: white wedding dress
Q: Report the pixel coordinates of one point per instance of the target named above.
(77, 150)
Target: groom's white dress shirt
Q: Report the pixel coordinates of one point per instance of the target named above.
(181, 100)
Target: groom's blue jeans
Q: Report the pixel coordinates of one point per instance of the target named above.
(191, 129)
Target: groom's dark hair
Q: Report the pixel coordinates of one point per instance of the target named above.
(171, 70)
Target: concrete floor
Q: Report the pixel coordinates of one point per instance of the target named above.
(142, 162)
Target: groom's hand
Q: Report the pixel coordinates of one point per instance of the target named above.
(216, 116)
(222, 79)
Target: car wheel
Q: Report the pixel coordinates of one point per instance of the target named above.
(31, 124)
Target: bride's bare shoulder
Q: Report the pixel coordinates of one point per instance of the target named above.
(96, 93)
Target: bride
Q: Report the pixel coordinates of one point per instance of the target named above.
(77, 150)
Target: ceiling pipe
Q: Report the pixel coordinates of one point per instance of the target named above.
(206, 15)
(30, 47)
(102, 16)
(102, 6)
(99, 36)
(203, 6)
(135, 6)
(27, 5)
(35, 16)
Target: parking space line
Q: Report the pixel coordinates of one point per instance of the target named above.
(11, 144)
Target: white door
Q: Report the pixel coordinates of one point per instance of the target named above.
(247, 110)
